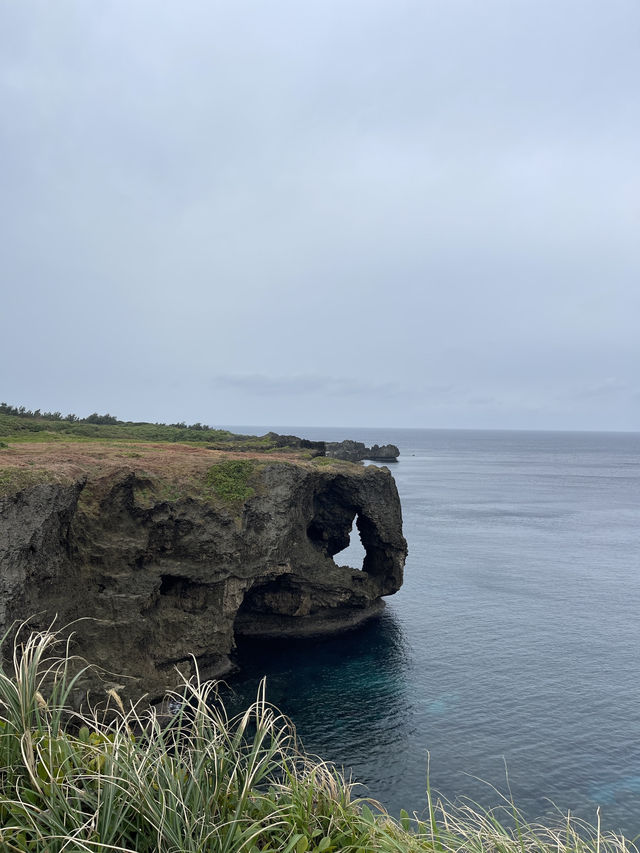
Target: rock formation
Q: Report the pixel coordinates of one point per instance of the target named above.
(384, 453)
(356, 451)
(156, 574)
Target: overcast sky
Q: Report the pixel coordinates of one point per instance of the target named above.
(415, 213)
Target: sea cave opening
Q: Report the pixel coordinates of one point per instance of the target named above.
(341, 526)
(338, 534)
(354, 553)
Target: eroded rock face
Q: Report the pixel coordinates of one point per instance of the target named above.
(357, 451)
(384, 453)
(161, 580)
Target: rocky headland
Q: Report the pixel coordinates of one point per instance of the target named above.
(159, 552)
(357, 451)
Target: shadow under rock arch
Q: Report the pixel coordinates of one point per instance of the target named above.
(365, 670)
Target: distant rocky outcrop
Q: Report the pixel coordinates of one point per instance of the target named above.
(384, 453)
(155, 574)
(317, 448)
(356, 451)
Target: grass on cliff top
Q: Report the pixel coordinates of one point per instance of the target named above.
(13, 480)
(17, 429)
(202, 781)
(337, 464)
(164, 471)
(226, 484)
(229, 483)
(231, 480)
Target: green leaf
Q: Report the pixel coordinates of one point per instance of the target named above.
(367, 814)
(293, 842)
(30, 796)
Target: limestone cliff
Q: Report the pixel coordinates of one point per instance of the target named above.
(165, 570)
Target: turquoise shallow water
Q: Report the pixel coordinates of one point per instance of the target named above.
(514, 644)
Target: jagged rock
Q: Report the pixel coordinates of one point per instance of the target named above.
(162, 578)
(386, 453)
(356, 451)
(349, 451)
(317, 448)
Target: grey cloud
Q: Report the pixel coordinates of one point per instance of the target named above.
(263, 385)
(370, 210)
(483, 401)
(604, 388)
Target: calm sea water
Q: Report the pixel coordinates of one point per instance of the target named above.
(514, 645)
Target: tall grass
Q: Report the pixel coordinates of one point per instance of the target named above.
(199, 780)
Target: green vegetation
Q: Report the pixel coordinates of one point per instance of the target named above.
(129, 782)
(231, 480)
(23, 428)
(14, 479)
(330, 462)
(19, 424)
(154, 490)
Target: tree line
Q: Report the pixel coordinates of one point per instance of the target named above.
(94, 418)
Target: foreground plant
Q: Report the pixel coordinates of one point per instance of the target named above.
(202, 781)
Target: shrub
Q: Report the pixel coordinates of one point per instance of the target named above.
(199, 782)
(231, 480)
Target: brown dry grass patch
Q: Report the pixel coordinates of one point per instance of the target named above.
(70, 460)
(172, 469)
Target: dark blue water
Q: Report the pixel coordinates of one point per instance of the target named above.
(514, 644)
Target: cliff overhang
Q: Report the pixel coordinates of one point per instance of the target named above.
(158, 554)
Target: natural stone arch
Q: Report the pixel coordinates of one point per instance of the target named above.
(335, 507)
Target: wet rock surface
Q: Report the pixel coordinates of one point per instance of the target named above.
(155, 580)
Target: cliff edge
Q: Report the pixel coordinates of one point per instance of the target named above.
(168, 551)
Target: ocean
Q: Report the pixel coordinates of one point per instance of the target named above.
(509, 662)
